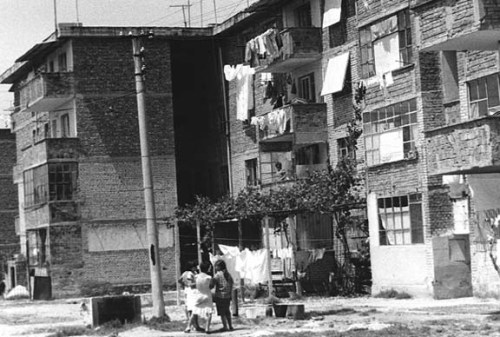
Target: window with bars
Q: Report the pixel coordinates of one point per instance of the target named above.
(400, 220)
(484, 98)
(390, 133)
(386, 45)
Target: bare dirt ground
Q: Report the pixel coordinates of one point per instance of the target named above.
(347, 317)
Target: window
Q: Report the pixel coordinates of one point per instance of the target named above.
(386, 45)
(345, 149)
(62, 181)
(251, 172)
(55, 181)
(62, 62)
(483, 96)
(303, 16)
(390, 133)
(51, 66)
(35, 186)
(308, 155)
(449, 71)
(306, 88)
(65, 126)
(401, 220)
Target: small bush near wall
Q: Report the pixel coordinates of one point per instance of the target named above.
(391, 293)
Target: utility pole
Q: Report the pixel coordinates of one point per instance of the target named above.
(151, 227)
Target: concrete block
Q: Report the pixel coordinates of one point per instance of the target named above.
(109, 308)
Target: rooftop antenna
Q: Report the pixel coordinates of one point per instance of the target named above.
(55, 15)
(184, 13)
(77, 13)
(201, 13)
(215, 12)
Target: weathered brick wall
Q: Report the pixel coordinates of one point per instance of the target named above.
(122, 267)
(445, 19)
(464, 147)
(112, 188)
(9, 241)
(65, 259)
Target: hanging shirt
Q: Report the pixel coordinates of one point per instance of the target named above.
(244, 91)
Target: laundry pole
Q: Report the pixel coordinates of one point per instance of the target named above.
(268, 247)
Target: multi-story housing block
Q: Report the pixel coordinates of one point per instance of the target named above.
(461, 136)
(12, 269)
(78, 168)
(297, 106)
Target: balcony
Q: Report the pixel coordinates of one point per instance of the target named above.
(469, 147)
(51, 149)
(47, 91)
(49, 213)
(464, 25)
(272, 178)
(295, 123)
(300, 46)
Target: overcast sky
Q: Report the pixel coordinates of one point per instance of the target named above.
(26, 22)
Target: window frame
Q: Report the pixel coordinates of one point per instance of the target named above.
(307, 88)
(409, 209)
(366, 42)
(44, 184)
(345, 150)
(251, 177)
(401, 115)
(476, 100)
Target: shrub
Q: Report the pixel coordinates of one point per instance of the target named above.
(391, 293)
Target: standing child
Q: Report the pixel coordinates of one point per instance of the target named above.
(203, 304)
(188, 281)
(223, 283)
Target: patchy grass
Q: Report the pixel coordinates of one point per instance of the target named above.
(165, 324)
(331, 312)
(394, 294)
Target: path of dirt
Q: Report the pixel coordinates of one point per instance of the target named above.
(458, 317)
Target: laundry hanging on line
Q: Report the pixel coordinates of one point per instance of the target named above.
(243, 75)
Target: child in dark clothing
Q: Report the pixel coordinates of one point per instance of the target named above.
(223, 283)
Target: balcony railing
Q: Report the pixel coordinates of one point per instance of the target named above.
(297, 47)
(52, 149)
(469, 147)
(47, 91)
(468, 25)
(51, 213)
(297, 123)
(272, 177)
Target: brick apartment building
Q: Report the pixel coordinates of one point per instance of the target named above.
(428, 152)
(78, 168)
(9, 242)
(428, 149)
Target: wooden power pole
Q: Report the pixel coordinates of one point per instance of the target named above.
(151, 227)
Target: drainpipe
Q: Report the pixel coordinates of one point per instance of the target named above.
(227, 130)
